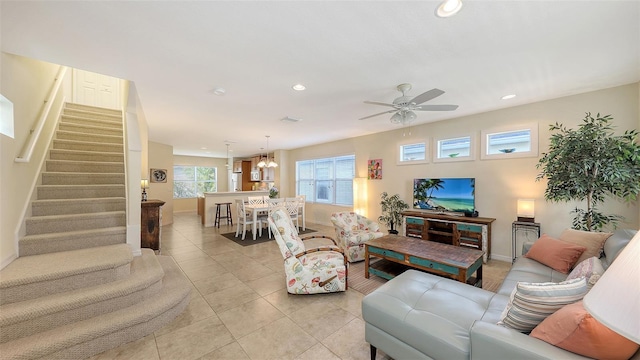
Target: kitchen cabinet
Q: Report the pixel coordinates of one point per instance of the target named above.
(237, 166)
(254, 163)
(268, 174)
(247, 184)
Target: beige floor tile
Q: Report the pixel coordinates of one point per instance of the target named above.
(288, 303)
(216, 283)
(249, 317)
(182, 250)
(191, 255)
(268, 284)
(197, 310)
(195, 263)
(318, 352)
(348, 342)
(232, 351)
(195, 340)
(251, 271)
(350, 301)
(229, 298)
(144, 348)
(281, 339)
(321, 319)
(215, 248)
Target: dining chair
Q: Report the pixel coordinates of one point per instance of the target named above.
(245, 218)
(252, 200)
(272, 205)
(292, 204)
(322, 269)
(302, 199)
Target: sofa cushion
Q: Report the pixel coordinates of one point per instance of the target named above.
(593, 241)
(556, 254)
(531, 303)
(572, 328)
(590, 269)
(614, 244)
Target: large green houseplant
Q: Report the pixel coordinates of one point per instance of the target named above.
(589, 164)
(392, 207)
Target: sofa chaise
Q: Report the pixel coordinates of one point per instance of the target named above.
(422, 316)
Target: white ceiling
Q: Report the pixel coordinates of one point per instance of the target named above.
(344, 52)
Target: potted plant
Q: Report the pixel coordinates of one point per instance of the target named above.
(589, 164)
(392, 207)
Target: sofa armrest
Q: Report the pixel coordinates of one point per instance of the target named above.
(491, 341)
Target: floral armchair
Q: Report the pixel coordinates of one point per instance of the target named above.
(308, 271)
(352, 231)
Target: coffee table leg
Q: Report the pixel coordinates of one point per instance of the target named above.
(366, 261)
(479, 275)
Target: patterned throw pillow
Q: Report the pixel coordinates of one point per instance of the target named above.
(590, 269)
(530, 303)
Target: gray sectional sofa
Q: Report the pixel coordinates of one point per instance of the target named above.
(422, 316)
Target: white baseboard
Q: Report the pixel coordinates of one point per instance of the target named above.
(8, 260)
(501, 258)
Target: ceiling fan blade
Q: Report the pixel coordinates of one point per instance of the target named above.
(437, 107)
(426, 96)
(379, 103)
(385, 112)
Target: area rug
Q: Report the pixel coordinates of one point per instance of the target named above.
(493, 274)
(248, 239)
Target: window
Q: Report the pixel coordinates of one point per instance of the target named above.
(516, 141)
(454, 149)
(412, 153)
(328, 180)
(6, 117)
(193, 181)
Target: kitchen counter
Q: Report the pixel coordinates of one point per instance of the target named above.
(211, 198)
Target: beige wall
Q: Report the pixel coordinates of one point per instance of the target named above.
(161, 157)
(499, 183)
(26, 83)
(180, 205)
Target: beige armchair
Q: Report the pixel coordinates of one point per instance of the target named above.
(352, 231)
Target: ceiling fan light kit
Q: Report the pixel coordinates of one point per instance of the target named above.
(404, 107)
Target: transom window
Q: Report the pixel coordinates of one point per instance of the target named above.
(414, 152)
(521, 141)
(193, 181)
(327, 180)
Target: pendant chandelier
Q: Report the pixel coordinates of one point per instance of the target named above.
(266, 161)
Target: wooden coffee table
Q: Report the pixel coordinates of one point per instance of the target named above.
(398, 253)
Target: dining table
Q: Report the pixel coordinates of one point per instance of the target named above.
(255, 209)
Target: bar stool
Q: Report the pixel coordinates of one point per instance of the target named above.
(220, 217)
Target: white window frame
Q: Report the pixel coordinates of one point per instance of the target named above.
(333, 180)
(472, 149)
(195, 180)
(533, 148)
(401, 146)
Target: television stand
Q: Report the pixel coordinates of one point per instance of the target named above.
(474, 232)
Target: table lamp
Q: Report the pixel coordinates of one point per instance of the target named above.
(525, 210)
(614, 299)
(144, 184)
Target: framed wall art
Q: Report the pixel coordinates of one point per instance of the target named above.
(158, 175)
(374, 169)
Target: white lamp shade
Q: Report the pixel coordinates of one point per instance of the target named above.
(615, 299)
(526, 208)
(144, 184)
(360, 202)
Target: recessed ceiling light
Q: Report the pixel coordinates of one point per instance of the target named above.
(290, 119)
(298, 87)
(219, 91)
(507, 97)
(449, 8)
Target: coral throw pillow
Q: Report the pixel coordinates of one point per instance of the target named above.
(593, 241)
(556, 254)
(572, 328)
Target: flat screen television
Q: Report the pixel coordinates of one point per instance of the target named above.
(444, 194)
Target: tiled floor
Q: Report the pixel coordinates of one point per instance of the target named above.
(240, 308)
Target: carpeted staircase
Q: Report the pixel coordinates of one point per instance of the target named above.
(77, 290)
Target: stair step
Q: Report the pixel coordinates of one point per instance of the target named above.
(28, 317)
(71, 135)
(72, 240)
(29, 277)
(84, 166)
(89, 129)
(77, 178)
(76, 206)
(92, 109)
(74, 222)
(95, 335)
(80, 191)
(105, 122)
(87, 146)
(75, 155)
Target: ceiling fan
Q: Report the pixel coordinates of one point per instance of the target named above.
(404, 106)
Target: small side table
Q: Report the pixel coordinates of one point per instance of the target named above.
(150, 222)
(523, 226)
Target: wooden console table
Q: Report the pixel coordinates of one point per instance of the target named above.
(151, 219)
(474, 232)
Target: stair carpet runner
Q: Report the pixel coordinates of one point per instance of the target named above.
(77, 290)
